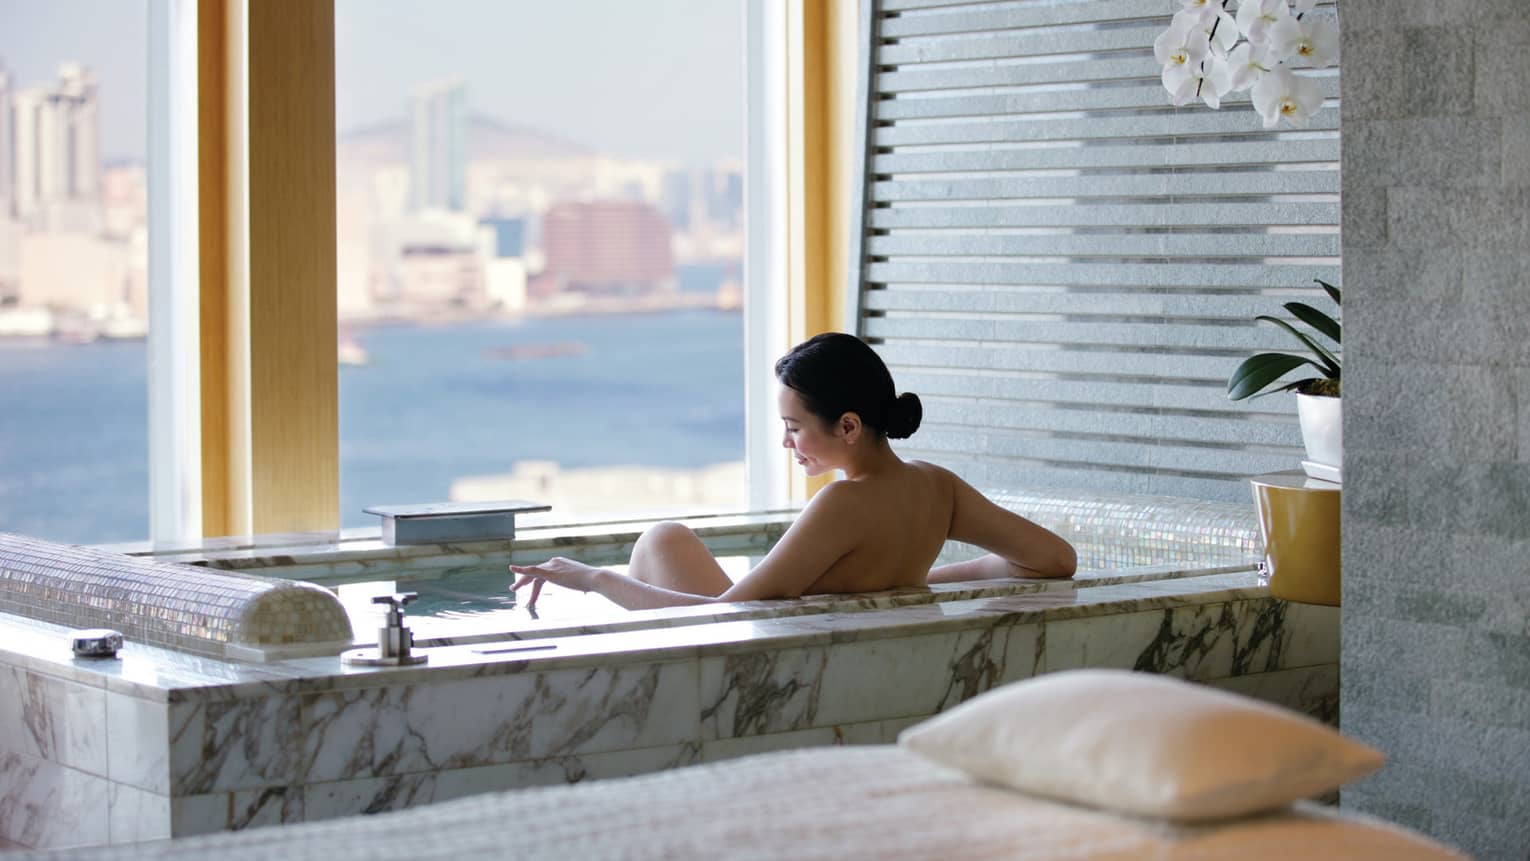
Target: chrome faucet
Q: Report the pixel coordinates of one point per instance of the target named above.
(394, 641)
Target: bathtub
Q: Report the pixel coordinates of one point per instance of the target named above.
(202, 743)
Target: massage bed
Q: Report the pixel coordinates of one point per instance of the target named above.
(881, 802)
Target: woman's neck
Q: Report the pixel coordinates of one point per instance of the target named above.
(872, 460)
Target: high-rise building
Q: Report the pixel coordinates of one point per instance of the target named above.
(54, 157)
(6, 206)
(438, 146)
(675, 198)
(725, 195)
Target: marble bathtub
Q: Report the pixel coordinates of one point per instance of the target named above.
(160, 743)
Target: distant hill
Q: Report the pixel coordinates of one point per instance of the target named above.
(487, 138)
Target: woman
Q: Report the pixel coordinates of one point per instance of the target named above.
(880, 528)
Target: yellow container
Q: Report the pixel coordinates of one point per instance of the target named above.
(1299, 519)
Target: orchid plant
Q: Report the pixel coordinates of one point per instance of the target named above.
(1259, 372)
(1208, 52)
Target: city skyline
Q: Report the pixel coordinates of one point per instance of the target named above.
(576, 54)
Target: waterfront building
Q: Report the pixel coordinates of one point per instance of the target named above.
(605, 247)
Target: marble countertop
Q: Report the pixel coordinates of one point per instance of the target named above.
(163, 675)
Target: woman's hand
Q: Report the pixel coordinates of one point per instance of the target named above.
(564, 572)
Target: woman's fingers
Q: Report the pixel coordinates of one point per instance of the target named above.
(529, 574)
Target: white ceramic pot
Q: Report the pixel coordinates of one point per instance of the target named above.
(1323, 434)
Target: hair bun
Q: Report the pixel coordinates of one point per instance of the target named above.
(903, 418)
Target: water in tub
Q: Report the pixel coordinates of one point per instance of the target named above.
(460, 604)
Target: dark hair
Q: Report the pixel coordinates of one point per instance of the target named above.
(835, 373)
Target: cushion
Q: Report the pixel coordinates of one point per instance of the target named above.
(1142, 744)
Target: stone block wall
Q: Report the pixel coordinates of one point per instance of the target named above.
(1436, 542)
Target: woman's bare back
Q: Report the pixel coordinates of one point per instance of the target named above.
(899, 522)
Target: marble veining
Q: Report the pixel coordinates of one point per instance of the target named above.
(395, 792)
(234, 743)
(1000, 654)
(43, 803)
(232, 811)
(1201, 641)
(781, 691)
(1312, 690)
(764, 692)
(467, 723)
(136, 815)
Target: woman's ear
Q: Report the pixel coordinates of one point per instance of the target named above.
(849, 427)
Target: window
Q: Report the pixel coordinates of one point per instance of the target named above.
(540, 254)
(73, 270)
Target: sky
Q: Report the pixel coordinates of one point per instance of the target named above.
(656, 79)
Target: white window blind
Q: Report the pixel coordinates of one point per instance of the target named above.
(1066, 267)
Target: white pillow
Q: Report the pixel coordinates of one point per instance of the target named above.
(1143, 744)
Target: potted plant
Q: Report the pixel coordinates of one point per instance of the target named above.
(1317, 397)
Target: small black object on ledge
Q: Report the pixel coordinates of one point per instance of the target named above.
(96, 643)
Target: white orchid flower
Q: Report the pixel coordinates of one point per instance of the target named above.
(1215, 81)
(1180, 46)
(1200, 5)
(1219, 27)
(1282, 94)
(1190, 19)
(1282, 38)
(1181, 82)
(1247, 64)
(1256, 17)
(1311, 42)
(1180, 50)
(1208, 81)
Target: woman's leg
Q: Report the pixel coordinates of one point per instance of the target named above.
(669, 555)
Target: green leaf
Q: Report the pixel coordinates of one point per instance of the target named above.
(1332, 291)
(1260, 370)
(1316, 319)
(1330, 366)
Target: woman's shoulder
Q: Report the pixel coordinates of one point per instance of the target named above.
(917, 477)
(935, 472)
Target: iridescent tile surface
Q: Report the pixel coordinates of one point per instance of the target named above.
(179, 606)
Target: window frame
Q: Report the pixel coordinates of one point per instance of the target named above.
(210, 467)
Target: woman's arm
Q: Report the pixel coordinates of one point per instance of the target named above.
(828, 528)
(821, 534)
(619, 588)
(1019, 547)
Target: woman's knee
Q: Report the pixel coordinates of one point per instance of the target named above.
(666, 533)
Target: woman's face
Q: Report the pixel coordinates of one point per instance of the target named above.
(814, 444)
